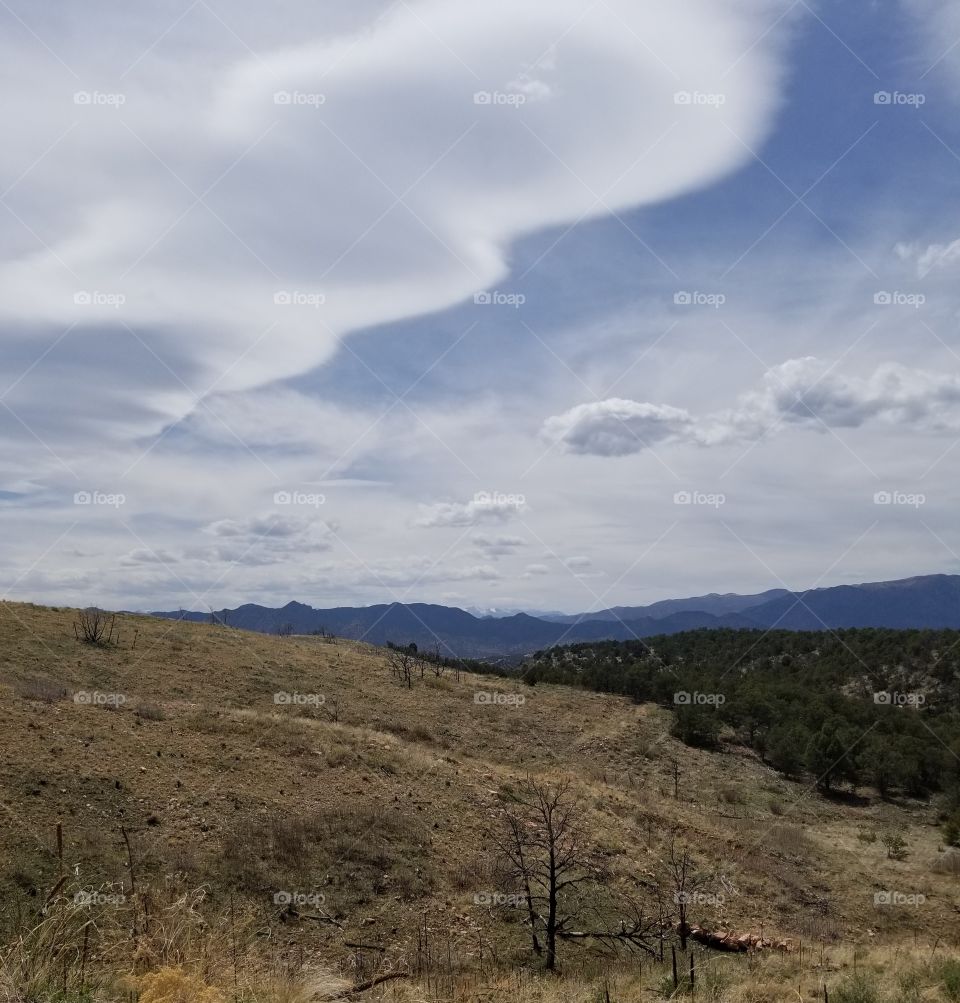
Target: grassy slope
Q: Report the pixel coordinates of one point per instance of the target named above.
(388, 811)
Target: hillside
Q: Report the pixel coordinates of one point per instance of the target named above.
(360, 811)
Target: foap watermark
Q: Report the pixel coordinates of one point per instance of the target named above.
(499, 499)
(890, 698)
(908, 99)
(297, 297)
(705, 498)
(493, 699)
(699, 898)
(502, 99)
(284, 699)
(99, 99)
(683, 698)
(701, 99)
(298, 898)
(99, 498)
(84, 898)
(94, 698)
(905, 498)
(685, 298)
(307, 499)
(899, 898)
(898, 298)
(96, 297)
(493, 297)
(502, 899)
(300, 99)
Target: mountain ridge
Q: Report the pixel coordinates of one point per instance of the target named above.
(921, 601)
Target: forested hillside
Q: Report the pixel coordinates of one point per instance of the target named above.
(865, 707)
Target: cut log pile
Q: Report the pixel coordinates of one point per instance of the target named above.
(728, 940)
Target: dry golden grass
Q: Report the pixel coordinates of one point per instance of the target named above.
(379, 802)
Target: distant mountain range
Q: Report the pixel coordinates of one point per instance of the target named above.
(925, 601)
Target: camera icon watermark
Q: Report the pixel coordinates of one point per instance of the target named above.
(285, 699)
(702, 498)
(97, 699)
(499, 499)
(303, 498)
(99, 99)
(501, 899)
(683, 698)
(99, 498)
(84, 898)
(902, 498)
(496, 298)
(897, 298)
(288, 898)
(887, 698)
(295, 297)
(700, 99)
(503, 99)
(84, 297)
(899, 98)
(493, 699)
(892, 898)
(684, 297)
(699, 898)
(302, 99)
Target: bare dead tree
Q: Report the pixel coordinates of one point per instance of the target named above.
(437, 662)
(512, 844)
(403, 663)
(684, 879)
(543, 847)
(94, 626)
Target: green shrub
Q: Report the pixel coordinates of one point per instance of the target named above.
(950, 976)
(857, 989)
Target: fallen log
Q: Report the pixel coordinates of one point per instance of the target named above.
(728, 940)
(362, 987)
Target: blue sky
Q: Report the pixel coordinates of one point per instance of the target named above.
(292, 313)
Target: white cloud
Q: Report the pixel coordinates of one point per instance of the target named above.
(264, 540)
(800, 392)
(484, 507)
(933, 257)
(616, 427)
(144, 555)
(576, 563)
(809, 392)
(493, 547)
(386, 192)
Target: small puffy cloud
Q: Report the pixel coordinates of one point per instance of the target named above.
(616, 427)
(485, 506)
(807, 392)
(536, 569)
(493, 547)
(800, 392)
(577, 563)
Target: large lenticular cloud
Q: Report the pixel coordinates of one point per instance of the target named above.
(242, 216)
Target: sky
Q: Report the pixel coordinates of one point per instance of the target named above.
(516, 305)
